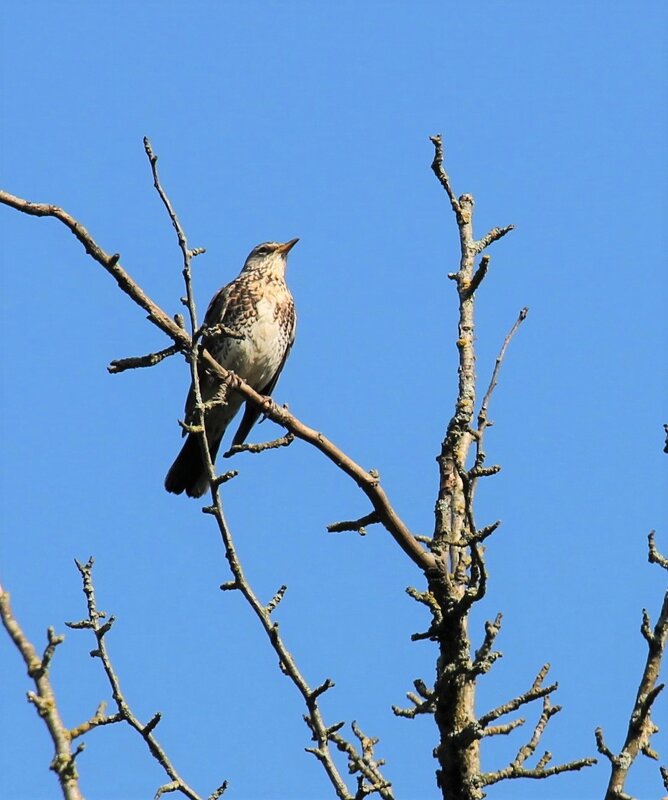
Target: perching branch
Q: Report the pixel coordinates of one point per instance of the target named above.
(367, 481)
(371, 780)
(453, 559)
(44, 700)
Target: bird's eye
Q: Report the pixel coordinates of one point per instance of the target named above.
(263, 251)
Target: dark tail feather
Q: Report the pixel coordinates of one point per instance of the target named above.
(187, 473)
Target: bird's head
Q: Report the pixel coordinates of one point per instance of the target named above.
(268, 255)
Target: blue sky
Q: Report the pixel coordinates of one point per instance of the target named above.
(275, 120)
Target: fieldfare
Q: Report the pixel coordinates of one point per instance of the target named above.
(258, 308)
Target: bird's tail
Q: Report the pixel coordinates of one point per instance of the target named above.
(188, 472)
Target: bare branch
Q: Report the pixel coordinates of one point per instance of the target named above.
(180, 233)
(98, 719)
(485, 656)
(516, 768)
(442, 175)
(283, 441)
(493, 236)
(478, 277)
(109, 262)
(511, 771)
(503, 730)
(483, 533)
(287, 663)
(479, 470)
(640, 728)
(219, 792)
(44, 699)
(276, 599)
(370, 778)
(423, 701)
(139, 362)
(536, 691)
(655, 557)
(358, 525)
(49, 651)
(453, 560)
(124, 711)
(367, 482)
(484, 407)
(321, 734)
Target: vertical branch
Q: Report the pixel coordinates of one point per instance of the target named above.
(454, 691)
(640, 728)
(371, 780)
(100, 629)
(461, 576)
(450, 504)
(188, 254)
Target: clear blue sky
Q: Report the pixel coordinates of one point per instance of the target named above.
(275, 120)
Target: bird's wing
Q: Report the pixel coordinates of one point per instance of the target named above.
(217, 310)
(215, 314)
(251, 412)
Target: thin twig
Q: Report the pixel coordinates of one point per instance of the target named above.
(98, 719)
(482, 414)
(320, 732)
(516, 768)
(485, 656)
(493, 236)
(358, 525)
(423, 701)
(442, 175)
(654, 556)
(536, 692)
(370, 778)
(640, 728)
(478, 276)
(283, 441)
(139, 362)
(479, 470)
(369, 483)
(124, 712)
(44, 700)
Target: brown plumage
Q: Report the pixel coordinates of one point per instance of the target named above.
(258, 306)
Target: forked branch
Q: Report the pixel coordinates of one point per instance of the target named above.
(365, 479)
(641, 727)
(94, 621)
(44, 699)
(371, 781)
(460, 579)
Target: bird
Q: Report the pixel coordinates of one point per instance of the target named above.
(256, 320)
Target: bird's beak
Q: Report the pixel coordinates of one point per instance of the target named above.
(285, 248)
